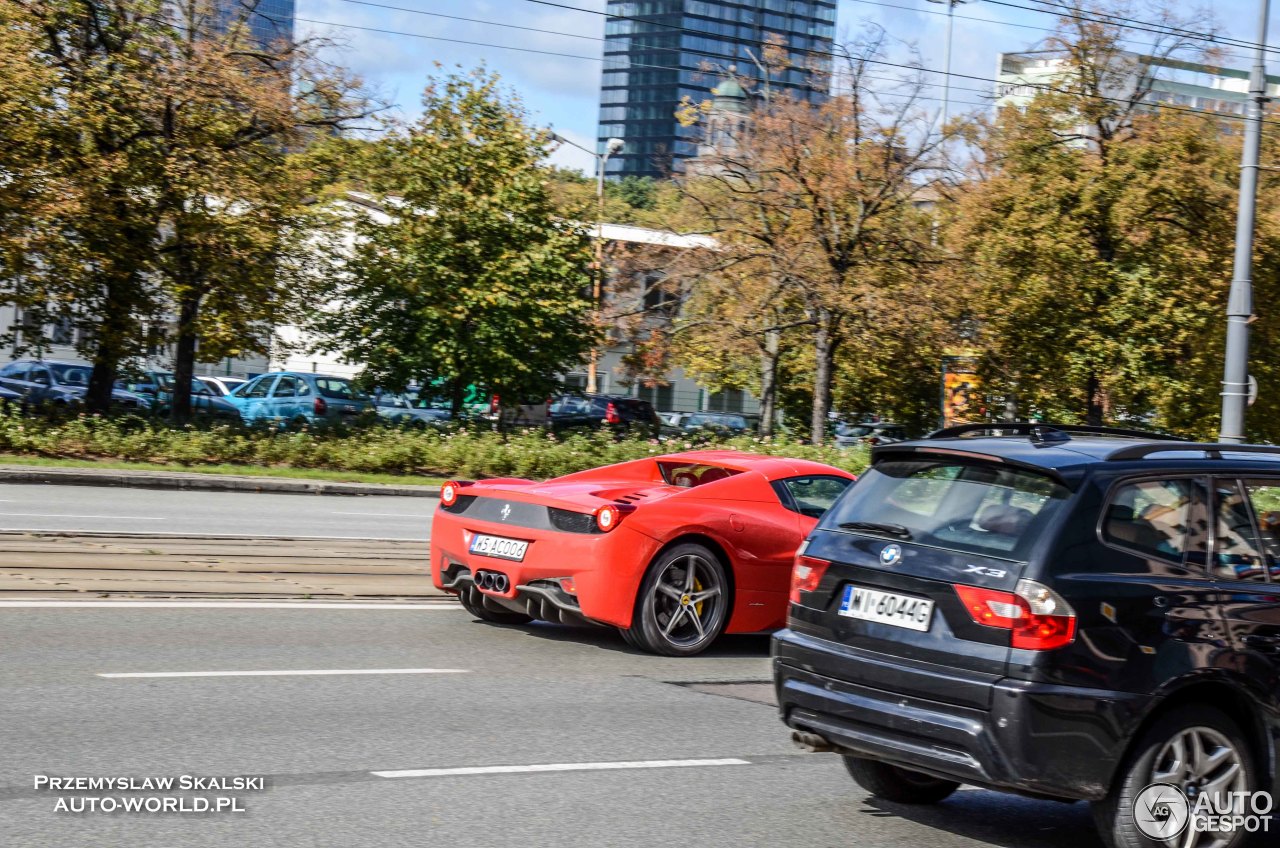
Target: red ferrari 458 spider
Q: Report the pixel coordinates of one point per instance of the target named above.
(671, 550)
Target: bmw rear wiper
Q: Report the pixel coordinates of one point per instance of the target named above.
(896, 530)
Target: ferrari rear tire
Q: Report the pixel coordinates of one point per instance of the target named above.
(473, 602)
(684, 602)
(628, 635)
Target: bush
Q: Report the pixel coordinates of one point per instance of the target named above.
(461, 453)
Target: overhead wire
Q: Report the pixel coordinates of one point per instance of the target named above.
(885, 63)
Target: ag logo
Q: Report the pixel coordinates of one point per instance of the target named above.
(1161, 811)
(506, 511)
(890, 554)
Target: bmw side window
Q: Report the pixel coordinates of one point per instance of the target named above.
(39, 376)
(1151, 517)
(1237, 554)
(1264, 498)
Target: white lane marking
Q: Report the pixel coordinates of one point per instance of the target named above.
(545, 767)
(198, 536)
(388, 514)
(71, 515)
(287, 673)
(53, 604)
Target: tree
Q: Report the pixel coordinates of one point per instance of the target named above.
(81, 212)
(467, 276)
(236, 189)
(157, 180)
(1099, 233)
(814, 210)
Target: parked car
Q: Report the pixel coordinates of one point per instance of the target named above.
(718, 423)
(293, 398)
(617, 412)
(395, 408)
(222, 386)
(672, 550)
(158, 386)
(1063, 612)
(54, 384)
(868, 433)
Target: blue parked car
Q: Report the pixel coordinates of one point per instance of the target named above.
(290, 397)
(61, 385)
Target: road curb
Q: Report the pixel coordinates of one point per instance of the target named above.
(204, 482)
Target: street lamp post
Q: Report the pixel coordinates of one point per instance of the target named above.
(612, 146)
(1235, 377)
(946, 62)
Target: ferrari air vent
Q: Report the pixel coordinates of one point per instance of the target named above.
(569, 521)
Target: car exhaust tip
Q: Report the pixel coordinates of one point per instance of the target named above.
(811, 742)
(485, 579)
(500, 583)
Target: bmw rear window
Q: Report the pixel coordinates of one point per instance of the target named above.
(979, 508)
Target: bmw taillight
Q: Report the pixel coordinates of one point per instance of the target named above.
(319, 406)
(806, 574)
(1037, 618)
(611, 415)
(449, 493)
(607, 517)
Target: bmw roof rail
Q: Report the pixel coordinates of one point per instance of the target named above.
(1213, 449)
(1038, 432)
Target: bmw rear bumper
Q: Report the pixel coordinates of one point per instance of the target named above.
(1034, 738)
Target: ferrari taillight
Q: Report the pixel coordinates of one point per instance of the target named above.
(449, 493)
(607, 517)
(806, 574)
(1037, 618)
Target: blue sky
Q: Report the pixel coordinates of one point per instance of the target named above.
(562, 92)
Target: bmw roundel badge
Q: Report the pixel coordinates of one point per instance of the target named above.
(890, 554)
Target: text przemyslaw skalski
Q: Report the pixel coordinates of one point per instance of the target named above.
(182, 782)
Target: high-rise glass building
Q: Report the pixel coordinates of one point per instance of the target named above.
(270, 23)
(659, 51)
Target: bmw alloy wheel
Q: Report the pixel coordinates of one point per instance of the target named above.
(1200, 761)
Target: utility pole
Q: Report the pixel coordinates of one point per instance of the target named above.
(946, 62)
(612, 146)
(1235, 378)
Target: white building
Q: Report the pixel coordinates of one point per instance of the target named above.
(58, 341)
(1186, 85)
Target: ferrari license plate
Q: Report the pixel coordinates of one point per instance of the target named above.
(886, 608)
(496, 546)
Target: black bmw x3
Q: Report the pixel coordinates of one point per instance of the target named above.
(1061, 612)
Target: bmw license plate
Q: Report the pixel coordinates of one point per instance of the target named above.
(496, 546)
(886, 608)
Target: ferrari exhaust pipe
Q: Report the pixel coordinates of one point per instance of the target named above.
(500, 583)
(811, 742)
(485, 579)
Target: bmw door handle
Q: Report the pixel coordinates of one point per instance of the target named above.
(1263, 644)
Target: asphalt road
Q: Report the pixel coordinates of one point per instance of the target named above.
(542, 696)
(122, 510)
